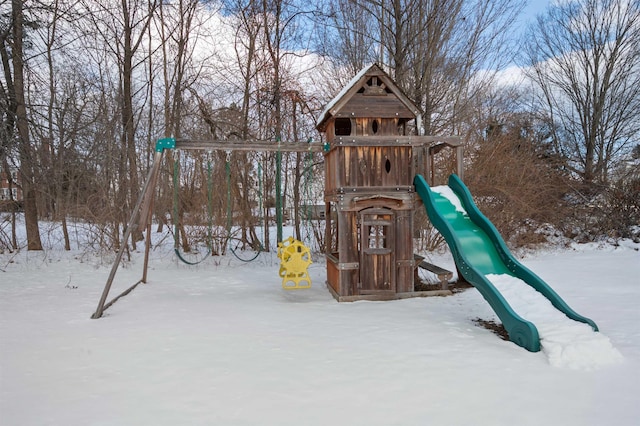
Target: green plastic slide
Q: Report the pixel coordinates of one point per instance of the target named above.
(479, 250)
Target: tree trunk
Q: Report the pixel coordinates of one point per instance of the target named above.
(26, 157)
(128, 120)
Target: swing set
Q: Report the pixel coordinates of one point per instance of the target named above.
(140, 218)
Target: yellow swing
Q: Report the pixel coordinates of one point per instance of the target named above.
(295, 258)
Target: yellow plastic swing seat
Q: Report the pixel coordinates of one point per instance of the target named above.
(295, 259)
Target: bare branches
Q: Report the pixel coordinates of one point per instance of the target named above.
(586, 61)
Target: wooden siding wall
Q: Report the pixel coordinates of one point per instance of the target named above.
(333, 275)
(385, 126)
(384, 106)
(349, 252)
(365, 166)
(404, 251)
(331, 168)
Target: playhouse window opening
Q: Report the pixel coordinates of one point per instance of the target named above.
(377, 237)
(343, 126)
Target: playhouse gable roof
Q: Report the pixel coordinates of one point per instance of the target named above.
(370, 93)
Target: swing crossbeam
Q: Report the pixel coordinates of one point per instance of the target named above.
(247, 145)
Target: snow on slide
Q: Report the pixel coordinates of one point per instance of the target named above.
(451, 196)
(567, 343)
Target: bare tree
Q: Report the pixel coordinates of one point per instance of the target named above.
(13, 48)
(584, 56)
(245, 47)
(518, 181)
(353, 29)
(122, 29)
(57, 113)
(7, 114)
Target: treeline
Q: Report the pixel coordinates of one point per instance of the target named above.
(89, 86)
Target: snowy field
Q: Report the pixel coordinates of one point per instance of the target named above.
(222, 343)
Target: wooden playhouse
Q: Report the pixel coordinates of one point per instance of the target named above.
(371, 159)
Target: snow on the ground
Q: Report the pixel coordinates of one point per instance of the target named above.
(566, 342)
(222, 343)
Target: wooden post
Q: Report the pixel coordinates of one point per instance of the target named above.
(459, 161)
(147, 243)
(133, 223)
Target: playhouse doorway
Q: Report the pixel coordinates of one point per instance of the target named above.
(377, 251)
